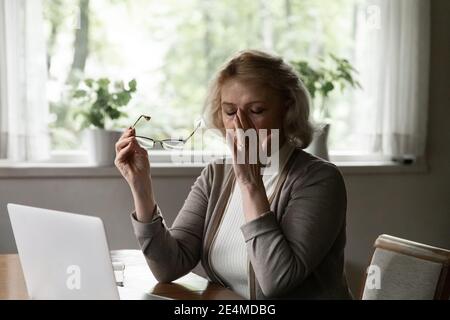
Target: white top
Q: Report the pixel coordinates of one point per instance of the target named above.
(228, 251)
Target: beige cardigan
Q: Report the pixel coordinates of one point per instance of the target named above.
(296, 250)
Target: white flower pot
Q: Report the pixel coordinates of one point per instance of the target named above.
(319, 144)
(101, 146)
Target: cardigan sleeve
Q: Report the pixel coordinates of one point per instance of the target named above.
(173, 252)
(283, 253)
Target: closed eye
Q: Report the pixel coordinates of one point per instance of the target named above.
(230, 112)
(257, 111)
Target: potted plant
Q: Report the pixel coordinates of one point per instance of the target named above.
(321, 81)
(99, 109)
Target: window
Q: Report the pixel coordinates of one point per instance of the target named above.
(172, 48)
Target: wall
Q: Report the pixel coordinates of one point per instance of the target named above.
(415, 206)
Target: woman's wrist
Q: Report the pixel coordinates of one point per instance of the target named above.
(144, 202)
(144, 208)
(255, 201)
(141, 186)
(252, 187)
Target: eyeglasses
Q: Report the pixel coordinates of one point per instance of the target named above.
(168, 144)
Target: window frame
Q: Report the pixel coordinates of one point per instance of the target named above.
(163, 157)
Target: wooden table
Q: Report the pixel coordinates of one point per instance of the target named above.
(137, 276)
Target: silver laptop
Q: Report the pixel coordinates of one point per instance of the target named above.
(66, 256)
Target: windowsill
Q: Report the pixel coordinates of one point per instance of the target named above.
(77, 170)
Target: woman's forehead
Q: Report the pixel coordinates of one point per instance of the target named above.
(238, 91)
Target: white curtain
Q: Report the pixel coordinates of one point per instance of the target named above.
(23, 103)
(392, 55)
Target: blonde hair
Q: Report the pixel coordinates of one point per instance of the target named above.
(267, 70)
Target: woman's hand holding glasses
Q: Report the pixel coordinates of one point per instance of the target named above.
(133, 163)
(131, 159)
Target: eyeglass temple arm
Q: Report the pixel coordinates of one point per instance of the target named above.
(196, 128)
(141, 116)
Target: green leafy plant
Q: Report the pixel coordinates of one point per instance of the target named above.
(100, 103)
(322, 80)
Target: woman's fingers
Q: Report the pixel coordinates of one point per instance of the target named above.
(237, 141)
(125, 152)
(239, 132)
(246, 123)
(267, 141)
(242, 125)
(127, 133)
(238, 118)
(130, 132)
(243, 142)
(123, 142)
(265, 146)
(235, 150)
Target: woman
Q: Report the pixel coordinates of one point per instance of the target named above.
(280, 235)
